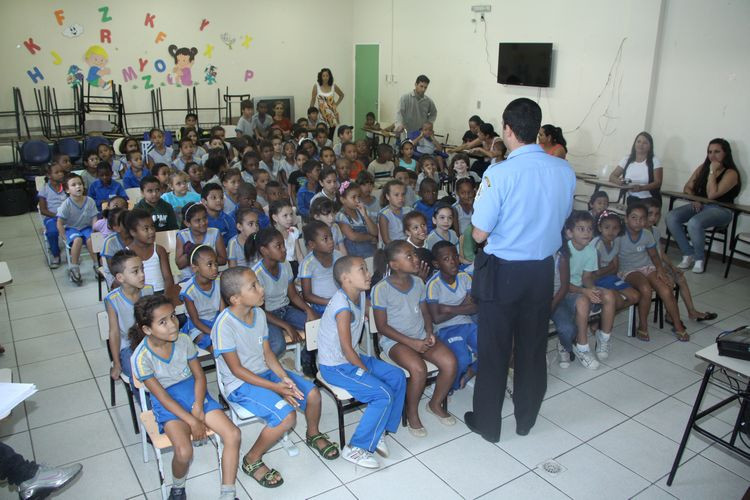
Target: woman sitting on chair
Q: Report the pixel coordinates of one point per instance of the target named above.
(716, 179)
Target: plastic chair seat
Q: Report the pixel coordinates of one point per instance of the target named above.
(340, 393)
(159, 440)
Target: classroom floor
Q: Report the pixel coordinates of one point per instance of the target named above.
(613, 431)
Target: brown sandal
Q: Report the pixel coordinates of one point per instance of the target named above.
(642, 336)
(682, 337)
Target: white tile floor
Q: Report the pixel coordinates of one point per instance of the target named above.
(614, 431)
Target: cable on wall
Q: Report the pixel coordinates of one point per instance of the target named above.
(486, 46)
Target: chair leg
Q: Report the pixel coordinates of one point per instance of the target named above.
(724, 246)
(132, 409)
(112, 391)
(666, 245)
(631, 320)
(731, 256)
(708, 250)
(342, 432)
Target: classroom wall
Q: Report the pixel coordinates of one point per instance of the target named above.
(290, 41)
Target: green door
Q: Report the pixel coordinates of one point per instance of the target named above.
(366, 81)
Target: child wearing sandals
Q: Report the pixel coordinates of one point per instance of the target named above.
(451, 306)
(253, 377)
(405, 327)
(378, 384)
(166, 362)
(607, 247)
(675, 274)
(641, 267)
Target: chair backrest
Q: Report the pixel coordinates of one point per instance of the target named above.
(97, 241)
(311, 334)
(167, 239)
(134, 194)
(70, 147)
(35, 152)
(39, 181)
(370, 262)
(116, 145)
(92, 143)
(102, 320)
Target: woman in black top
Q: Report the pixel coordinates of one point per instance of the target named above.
(716, 179)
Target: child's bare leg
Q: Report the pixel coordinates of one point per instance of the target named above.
(312, 412)
(268, 437)
(411, 360)
(178, 433)
(230, 435)
(75, 251)
(609, 300)
(687, 297)
(92, 254)
(627, 297)
(583, 308)
(442, 357)
(670, 304)
(638, 281)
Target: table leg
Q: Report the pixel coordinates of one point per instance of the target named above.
(669, 235)
(690, 423)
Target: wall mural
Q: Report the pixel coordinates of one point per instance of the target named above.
(174, 68)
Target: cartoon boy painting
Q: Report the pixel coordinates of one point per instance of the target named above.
(96, 57)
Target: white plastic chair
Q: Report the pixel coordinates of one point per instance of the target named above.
(134, 194)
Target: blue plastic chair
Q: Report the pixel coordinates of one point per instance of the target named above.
(35, 153)
(70, 147)
(93, 142)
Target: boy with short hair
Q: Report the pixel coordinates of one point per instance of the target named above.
(349, 151)
(161, 212)
(127, 268)
(90, 161)
(274, 192)
(428, 192)
(267, 161)
(212, 196)
(344, 133)
(305, 194)
(247, 197)
(135, 171)
(191, 122)
(402, 174)
(107, 154)
(75, 217)
(321, 139)
(382, 167)
(104, 187)
(314, 118)
(245, 123)
(261, 179)
(187, 154)
(51, 196)
(63, 160)
(262, 121)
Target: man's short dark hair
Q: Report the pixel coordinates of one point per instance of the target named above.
(524, 117)
(422, 79)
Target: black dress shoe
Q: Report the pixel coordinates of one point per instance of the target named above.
(469, 421)
(522, 431)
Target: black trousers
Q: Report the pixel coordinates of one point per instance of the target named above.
(514, 300)
(13, 467)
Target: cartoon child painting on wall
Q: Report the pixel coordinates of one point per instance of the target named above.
(96, 57)
(183, 62)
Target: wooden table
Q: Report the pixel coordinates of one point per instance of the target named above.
(387, 136)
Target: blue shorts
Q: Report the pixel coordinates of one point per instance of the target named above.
(189, 328)
(318, 309)
(266, 404)
(72, 233)
(184, 394)
(612, 282)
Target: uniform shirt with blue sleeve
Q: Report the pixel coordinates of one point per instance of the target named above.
(112, 244)
(209, 239)
(78, 217)
(230, 206)
(523, 203)
(395, 221)
(304, 198)
(130, 180)
(169, 371)
(606, 255)
(225, 224)
(54, 197)
(581, 261)
(464, 217)
(440, 292)
(236, 252)
(428, 211)
(263, 220)
(634, 252)
(276, 286)
(123, 308)
(321, 278)
(99, 192)
(231, 334)
(329, 342)
(434, 237)
(179, 162)
(207, 303)
(165, 157)
(403, 308)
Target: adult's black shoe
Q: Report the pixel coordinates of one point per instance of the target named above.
(469, 421)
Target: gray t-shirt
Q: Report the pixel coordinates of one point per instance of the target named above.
(123, 308)
(440, 292)
(77, 217)
(244, 126)
(606, 255)
(170, 371)
(207, 303)
(321, 278)
(403, 308)
(434, 237)
(329, 343)
(634, 254)
(231, 334)
(276, 287)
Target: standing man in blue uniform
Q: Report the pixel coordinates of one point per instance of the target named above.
(520, 210)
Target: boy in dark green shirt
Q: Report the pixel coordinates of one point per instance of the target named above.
(161, 212)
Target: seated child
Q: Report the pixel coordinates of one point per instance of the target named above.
(118, 240)
(195, 173)
(641, 267)
(343, 167)
(104, 187)
(425, 143)
(415, 228)
(675, 274)
(135, 172)
(328, 185)
(406, 156)
(90, 161)
(250, 162)
(322, 210)
(253, 377)
(274, 192)
(245, 123)
(191, 126)
(187, 154)
(180, 195)
(247, 229)
(363, 151)
(598, 203)
(297, 177)
(51, 196)
(267, 161)
(231, 180)
(366, 183)
(166, 362)
(196, 232)
(316, 270)
(344, 134)
(584, 296)
(159, 153)
(451, 307)
(428, 191)
(286, 312)
(201, 296)
(378, 384)
(358, 229)
(247, 198)
(442, 220)
(390, 217)
(128, 271)
(404, 326)
(161, 211)
(283, 219)
(349, 153)
(212, 197)
(103, 225)
(140, 226)
(459, 169)
(215, 164)
(261, 178)
(463, 209)
(107, 155)
(607, 246)
(75, 216)
(427, 169)
(382, 167)
(402, 175)
(288, 164)
(305, 194)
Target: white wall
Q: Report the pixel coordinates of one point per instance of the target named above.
(291, 41)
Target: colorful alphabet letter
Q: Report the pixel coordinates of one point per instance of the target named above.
(35, 74)
(59, 16)
(33, 47)
(160, 37)
(149, 19)
(105, 14)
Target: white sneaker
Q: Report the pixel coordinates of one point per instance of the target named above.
(382, 447)
(602, 346)
(564, 356)
(360, 457)
(698, 267)
(586, 359)
(686, 262)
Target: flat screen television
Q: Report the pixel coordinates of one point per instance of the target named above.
(527, 64)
